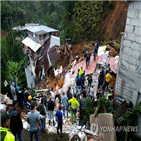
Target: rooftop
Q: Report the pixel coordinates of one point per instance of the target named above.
(35, 28)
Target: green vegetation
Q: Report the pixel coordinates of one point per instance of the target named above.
(103, 105)
(12, 61)
(130, 118)
(78, 20)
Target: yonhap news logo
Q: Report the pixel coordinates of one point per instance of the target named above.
(96, 128)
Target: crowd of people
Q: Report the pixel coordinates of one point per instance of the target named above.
(66, 102)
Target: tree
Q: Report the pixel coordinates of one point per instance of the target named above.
(13, 47)
(82, 19)
(6, 12)
(87, 16)
(4, 60)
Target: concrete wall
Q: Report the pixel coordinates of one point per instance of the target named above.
(128, 84)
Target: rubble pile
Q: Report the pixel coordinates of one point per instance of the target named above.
(68, 127)
(64, 81)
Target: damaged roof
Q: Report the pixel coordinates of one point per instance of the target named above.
(50, 54)
(31, 44)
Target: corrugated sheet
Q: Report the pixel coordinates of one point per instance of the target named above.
(50, 54)
(45, 59)
(53, 55)
(35, 29)
(31, 44)
(38, 67)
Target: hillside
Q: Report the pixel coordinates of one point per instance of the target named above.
(84, 15)
(114, 22)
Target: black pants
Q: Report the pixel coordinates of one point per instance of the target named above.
(107, 84)
(87, 64)
(99, 84)
(92, 98)
(95, 56)
(58, 96)
(59, 127)
(89, 83)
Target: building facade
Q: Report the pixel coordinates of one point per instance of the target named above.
(128, 84)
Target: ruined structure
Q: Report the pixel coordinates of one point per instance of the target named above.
(128, 84)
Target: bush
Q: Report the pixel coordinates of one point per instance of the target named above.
(89, 109)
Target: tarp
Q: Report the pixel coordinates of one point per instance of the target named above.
(101, 51)
(110, 60)
(31, 44)
(90, 69)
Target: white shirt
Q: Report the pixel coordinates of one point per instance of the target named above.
(91, 92)
(52, 94)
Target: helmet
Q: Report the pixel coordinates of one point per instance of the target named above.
(92, 85)
(29, 97)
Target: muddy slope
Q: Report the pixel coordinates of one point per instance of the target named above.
(114, 23)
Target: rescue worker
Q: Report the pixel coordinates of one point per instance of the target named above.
(81, 71)
(110, 95)
(74, 104)
(6, 135)
(29, 103)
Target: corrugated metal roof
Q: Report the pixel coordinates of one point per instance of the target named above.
(30, 43)
(42, 32)
(38, 28)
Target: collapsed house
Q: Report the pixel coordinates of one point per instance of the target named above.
(41, 44)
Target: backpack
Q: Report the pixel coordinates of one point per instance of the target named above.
(76, 138)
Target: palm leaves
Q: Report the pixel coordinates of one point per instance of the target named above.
(12, 71)
(15, 70)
